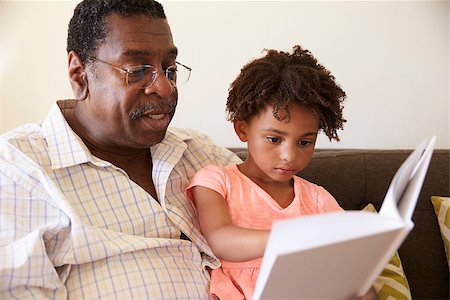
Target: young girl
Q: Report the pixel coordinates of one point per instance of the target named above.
(278, 104)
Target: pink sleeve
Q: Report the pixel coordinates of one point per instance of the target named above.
(211, 177)
(327, 203)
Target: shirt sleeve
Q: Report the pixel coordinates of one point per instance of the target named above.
(224, 156)
(28, 242)
(326, 201)
(211, 177)
(217, 155)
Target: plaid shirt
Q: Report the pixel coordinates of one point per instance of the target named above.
(75, 226)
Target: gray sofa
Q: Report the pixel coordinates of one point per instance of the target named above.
(359, 177)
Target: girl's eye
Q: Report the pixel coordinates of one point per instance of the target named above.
(273, 139)
(304, 143)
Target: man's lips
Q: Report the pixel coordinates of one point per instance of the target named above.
(155, 116)
(153, 109)
(155, 120)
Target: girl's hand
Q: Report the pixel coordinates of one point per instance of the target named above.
(371, 295)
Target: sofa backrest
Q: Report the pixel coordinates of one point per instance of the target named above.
(358, 177)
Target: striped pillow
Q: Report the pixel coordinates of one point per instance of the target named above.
(442, 209)
(392, 282)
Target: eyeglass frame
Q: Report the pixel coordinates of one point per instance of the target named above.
(155, 72)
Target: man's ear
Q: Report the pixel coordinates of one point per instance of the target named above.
(241, 127)
(77, 76)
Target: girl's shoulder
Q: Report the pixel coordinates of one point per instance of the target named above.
(216, 170)
(304, 184)
(303, 181)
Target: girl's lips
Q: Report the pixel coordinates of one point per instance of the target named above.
(286, 171)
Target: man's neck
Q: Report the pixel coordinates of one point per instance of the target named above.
(136, 162)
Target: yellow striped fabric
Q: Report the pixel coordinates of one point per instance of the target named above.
(392, 283)
(442, 209)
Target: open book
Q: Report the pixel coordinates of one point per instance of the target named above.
(339, 255)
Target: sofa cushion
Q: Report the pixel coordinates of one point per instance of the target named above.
(392, 282)
(442, 209)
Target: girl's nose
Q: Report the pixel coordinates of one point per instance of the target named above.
(288, 153)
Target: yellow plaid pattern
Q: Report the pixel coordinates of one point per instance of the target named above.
(392, 283)
(442, 209)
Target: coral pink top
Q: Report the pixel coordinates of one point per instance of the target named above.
(251, 207)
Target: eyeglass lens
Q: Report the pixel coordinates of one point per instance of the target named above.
(147, 74)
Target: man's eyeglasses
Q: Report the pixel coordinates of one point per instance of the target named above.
(146, 75)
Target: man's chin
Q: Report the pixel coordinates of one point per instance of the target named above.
(156, 132)
(155, 137)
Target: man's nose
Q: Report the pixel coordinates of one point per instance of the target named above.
(162, 86)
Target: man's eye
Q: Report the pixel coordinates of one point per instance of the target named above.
(273, 139)
(136, 73)
(171, 73)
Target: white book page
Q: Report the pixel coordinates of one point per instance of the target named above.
(333, 272)
(318, 230)
(403, 192)
(339, 255)
(301, 241)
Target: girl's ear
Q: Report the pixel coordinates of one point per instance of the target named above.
(78, 76)
(241, 127)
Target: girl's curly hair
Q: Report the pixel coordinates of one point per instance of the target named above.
(279, 78)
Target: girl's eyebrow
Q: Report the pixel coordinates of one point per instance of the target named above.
(277, 131)
(310, 133)
(274, 131)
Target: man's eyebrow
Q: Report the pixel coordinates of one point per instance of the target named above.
(144, 53)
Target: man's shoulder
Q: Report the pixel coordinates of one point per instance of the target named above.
(187, 134)
(201, 145)
(26, 136)
(191, 137)
(23, 144)
(23, 151)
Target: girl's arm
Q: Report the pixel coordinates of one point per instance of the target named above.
(228, 242)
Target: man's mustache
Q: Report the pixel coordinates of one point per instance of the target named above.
(167, 107)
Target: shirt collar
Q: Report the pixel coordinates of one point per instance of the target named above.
(174, 141)
(67, 149)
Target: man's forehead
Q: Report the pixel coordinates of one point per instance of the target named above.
(137, 26)
(139, 36)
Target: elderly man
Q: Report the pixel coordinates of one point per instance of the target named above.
(92, 199)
